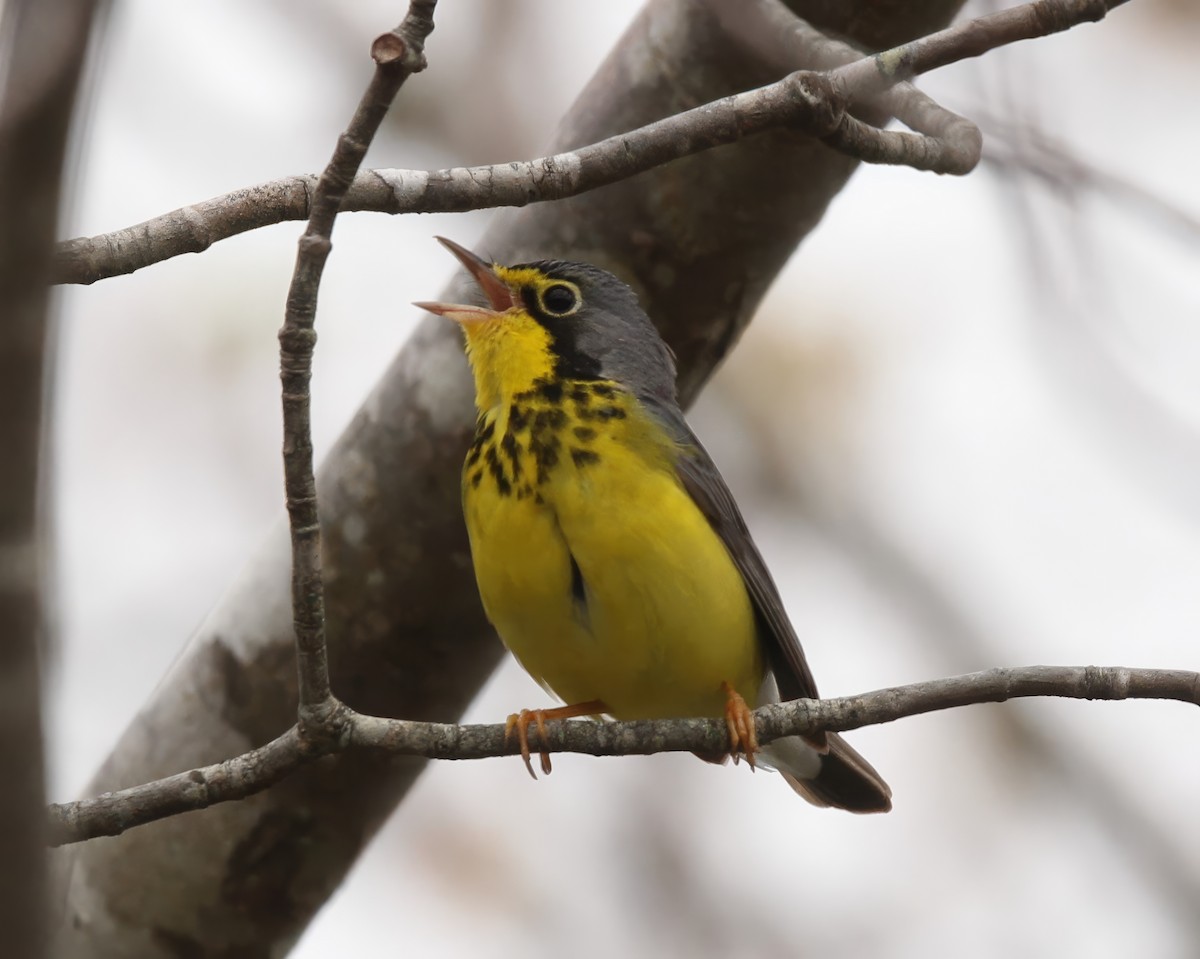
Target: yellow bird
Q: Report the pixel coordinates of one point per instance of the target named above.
(610, 555)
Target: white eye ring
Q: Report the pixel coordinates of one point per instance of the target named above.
(559, 299)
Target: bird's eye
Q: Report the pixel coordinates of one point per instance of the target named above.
(559, 299)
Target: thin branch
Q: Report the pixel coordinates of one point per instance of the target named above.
(815, 103)
(954, 140)
(112, 813)
(870, 76)
(951, 144)
(397, 56)
(787, 102)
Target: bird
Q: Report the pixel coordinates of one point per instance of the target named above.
(610, 555)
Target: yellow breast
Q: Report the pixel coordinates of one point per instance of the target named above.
(594, 564)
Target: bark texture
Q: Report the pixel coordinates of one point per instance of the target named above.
(701, 240)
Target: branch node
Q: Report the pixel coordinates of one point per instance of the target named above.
(387, 48)
(823, 104)
(315, 244)
(323, 726)
(298, 339)
(1101, 682)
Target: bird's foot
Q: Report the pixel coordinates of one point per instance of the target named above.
(739, 720)
(520, 722)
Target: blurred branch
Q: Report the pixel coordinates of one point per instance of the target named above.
(397, 55)
(115, 812)
(1025, 148)
(812, 102)
(44, 44)
(1126, 401)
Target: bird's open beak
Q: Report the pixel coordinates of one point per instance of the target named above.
(498, 294)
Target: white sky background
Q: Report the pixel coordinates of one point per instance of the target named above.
(982, 387)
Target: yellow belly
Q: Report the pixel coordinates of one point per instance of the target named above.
(667, 618)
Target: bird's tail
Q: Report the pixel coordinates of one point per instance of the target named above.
(829, 773)
(839, 777)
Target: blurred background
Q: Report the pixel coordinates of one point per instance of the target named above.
(965, 429)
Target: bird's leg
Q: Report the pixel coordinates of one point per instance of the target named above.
(520, 722)
(739, 720)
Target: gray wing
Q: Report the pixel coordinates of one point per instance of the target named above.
(701, 478)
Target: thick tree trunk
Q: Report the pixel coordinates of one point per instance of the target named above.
(701, 240)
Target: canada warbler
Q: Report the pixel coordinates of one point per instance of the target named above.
(610, 555)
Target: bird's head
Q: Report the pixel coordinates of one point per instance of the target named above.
(555, 321)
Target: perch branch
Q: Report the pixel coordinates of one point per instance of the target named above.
(112, 813)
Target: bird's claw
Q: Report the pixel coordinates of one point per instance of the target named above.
(520, 723)
(739, 720)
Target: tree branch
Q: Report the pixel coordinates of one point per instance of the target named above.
(871, 75)
(951, 143)
(792, 102)
(812, 102)
(397, 55)
(113, 813)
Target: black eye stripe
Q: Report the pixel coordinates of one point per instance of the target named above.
(570, 363)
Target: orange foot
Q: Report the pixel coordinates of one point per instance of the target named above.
(739, 720)
(520, 722)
